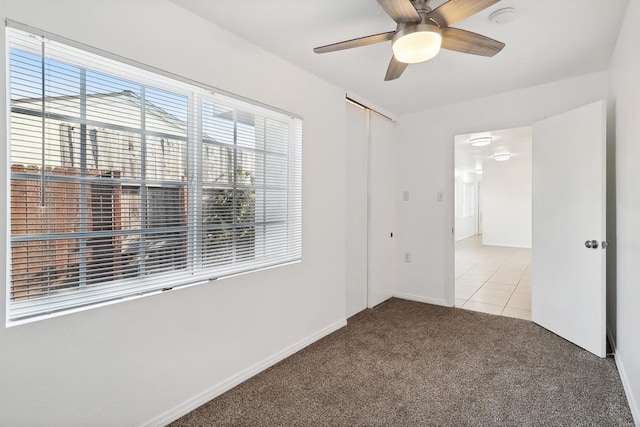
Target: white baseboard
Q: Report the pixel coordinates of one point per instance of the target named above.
(507, 245)
(411, 297)
(633, 405)
(215, 391)
(457, 239)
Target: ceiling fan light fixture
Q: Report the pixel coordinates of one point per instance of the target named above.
(502, 157)
(481, 141)
(414, 43)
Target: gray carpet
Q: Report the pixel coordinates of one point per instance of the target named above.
(411, 364)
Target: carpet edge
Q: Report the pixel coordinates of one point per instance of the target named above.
(226, 385)
(417, 298)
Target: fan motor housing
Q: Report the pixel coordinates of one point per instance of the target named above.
(406, 28)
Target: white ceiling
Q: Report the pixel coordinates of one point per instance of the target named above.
(549, 40)
(516, 141)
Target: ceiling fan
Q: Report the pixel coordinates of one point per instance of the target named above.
(422, 31)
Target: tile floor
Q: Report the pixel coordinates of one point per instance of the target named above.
(493, 279)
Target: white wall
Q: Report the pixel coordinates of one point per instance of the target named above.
(506, 202)
(465, 225)
(425, 165)
(625, 89)
(128, 363)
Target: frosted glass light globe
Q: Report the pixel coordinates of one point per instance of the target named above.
(417, 46)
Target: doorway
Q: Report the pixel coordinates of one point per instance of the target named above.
(493, 176)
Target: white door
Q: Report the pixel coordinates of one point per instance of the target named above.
(357, 176)
(568, 278)
(381, 209)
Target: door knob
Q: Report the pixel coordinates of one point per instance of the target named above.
(591, 244)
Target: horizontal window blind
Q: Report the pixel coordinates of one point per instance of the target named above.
(125, 182)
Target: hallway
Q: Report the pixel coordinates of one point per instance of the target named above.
(493, 279)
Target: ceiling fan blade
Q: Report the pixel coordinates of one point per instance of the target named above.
(395, 70)
(457, 10)
(362, 41)
(400, 10)
(468, 42)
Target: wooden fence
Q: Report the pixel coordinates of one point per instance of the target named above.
(42, 266)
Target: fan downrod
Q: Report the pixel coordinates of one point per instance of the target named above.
(422, 7)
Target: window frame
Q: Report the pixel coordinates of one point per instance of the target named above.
(197, 94)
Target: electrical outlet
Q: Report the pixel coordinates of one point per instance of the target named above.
(407, 257)
(405, 195)
(440, 196)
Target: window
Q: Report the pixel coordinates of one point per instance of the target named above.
(125, 182)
